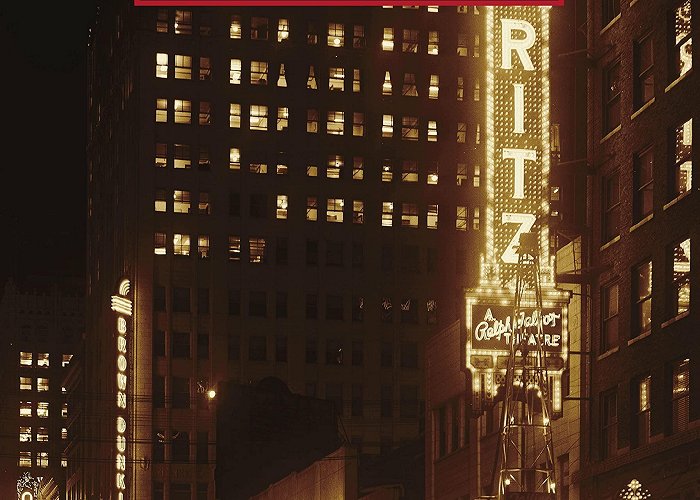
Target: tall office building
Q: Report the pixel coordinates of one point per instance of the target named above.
(644, 397)
(288, 192)
(42, 329)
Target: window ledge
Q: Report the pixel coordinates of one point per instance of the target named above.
(608, 353)
(632, 2)
(677, 199)
(610, 24)
(678, 80)
(611, 133)
(610, 243)
(675, 319)
(644, 106)
(642, 222)
(639, 337)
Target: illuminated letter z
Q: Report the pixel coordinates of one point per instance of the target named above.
(526, 221)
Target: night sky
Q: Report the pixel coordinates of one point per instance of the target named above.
(43, 195)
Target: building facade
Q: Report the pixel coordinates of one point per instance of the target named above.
(288, 192)
(42, 329)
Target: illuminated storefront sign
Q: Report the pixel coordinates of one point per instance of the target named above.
(123, 306)
(517, 178)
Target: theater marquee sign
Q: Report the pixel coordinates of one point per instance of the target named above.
(517, 186)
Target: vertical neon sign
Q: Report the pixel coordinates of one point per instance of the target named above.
(123, 306)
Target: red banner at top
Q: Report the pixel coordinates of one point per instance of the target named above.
(338, 3)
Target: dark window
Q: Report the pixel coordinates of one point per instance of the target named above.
(311, 306)
(680, 406)
(681, 41)
(611, 9)
(409, 355)
(679, 268)
(234, 302)
(281, 349)
(431, 311)
(410, 258)
(257, 303)
(610, 309)
(234, 204)
(310, 389)
(334, 307)
(409, 311)
(180, 391)
(181, 451)
(334, 393)
(454, 426)
(641, 397)
(644, 71)
(181, 344)
(357, 353)
(358, 255)
(356, 404)
(334, 253)
(608, 424)
(441, 432)
(432, 260)
(158, 453)
(387, 258)
(181, 299)
(281, 305)
(202, 447)
(386, 310)
(611, 206)
(203, 346)
(258, 206)
(158, 298)
(281, 252)
(180, 491)
(234, 347)
(203, 300)
(387, 355)
(202, 491)
(311, 351)
(643, 184)
(257, 348)
(611, 97)
(158, 391)
(159, 343)
(387, 395)
(311, 252)
(641, 295)
(409, 401)
(334, 352)
(358, 308)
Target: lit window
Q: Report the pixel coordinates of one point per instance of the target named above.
(334, 209)
(610, 309)
(608, 424)
(42, 409)
(643, 71)
(409, 85)
(181, 201)
(356, 86)
(433, 42)
(25, 434)
(476, 219)
(204, 113)
(358, 124)
(25, 408)
(25, 459)
(432, 177)
(181, 244)
(682, 41)
(611, 206)
(311, 171)
(410, 41)
(203, 163)
(336, 79)
(462, 44)
(312, 34)
(258, 117)
(282, 203)
(161, 110)
(183, 22)
(641, 295)
(234, 119)
(611, 97)
(234, 159)
(234, 248)
(183, 67)
(387, 170)
(257, 168)
(358, 36)
(433, 8)
(42, 384)
(358, 212)
(235, 27)
(461, 174)
(409, 215)
(388, 39)
(680, 283)
(42, 359)
(235, 72)
(42, 434)
(311, 82)
(336, 36)
(461, 132)
(162, 21)
(387, 213)
(258, 28)
(644, 411)
(477, 44)
(161, 157)
(204, 68)
(258, 73)
(64, 433)
(161, 65)
(281, 169)
(64, 461)
(477, 90)
(311, 208)
(203, 246)
(409, 171)
(335, 123)
(432, 217)
(432, 131)
(681, 396)
(434, 88)
(159, 240)
(334, 166)
(25, 358)
(183, 111)
(358, 168)
(460, 88)
(409, 128)
(682, 171)
(42, 459)
(312, 121)
(282, 78)
(256, 247)
(282, 30)
(25, 383)
(386, 86)
(643, 184)
(462, 218)
(282, 118)
(387, 126)
(182, 156)
(66, 360)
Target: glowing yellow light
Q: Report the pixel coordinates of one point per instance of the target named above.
(211, 394)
